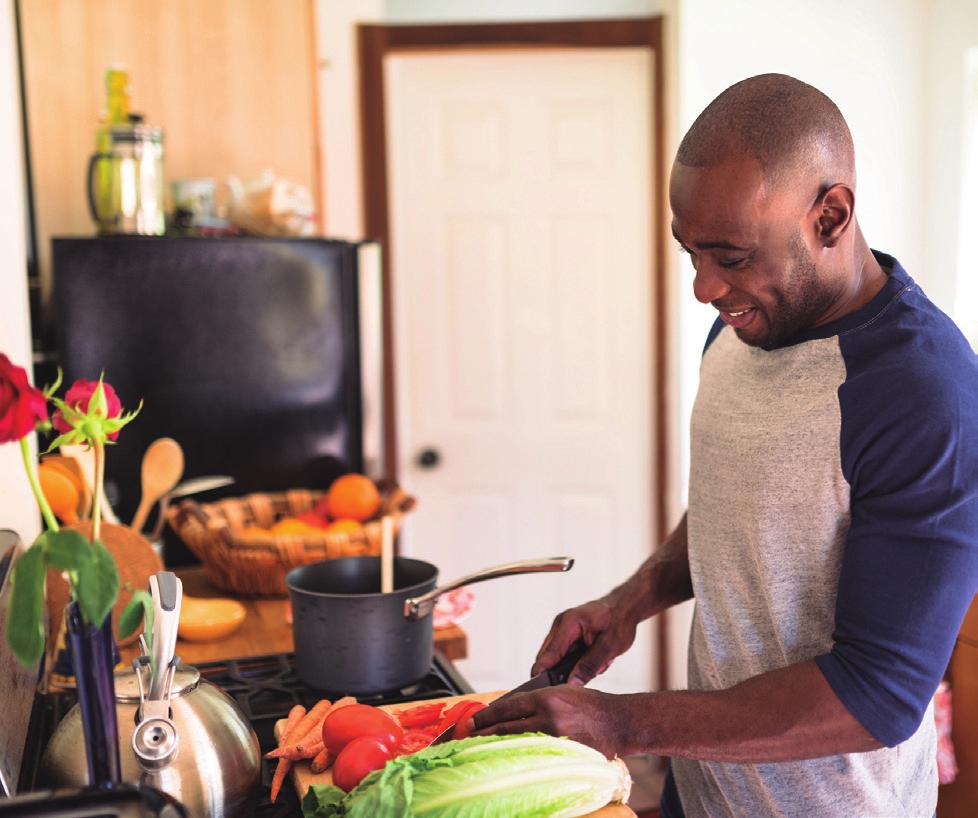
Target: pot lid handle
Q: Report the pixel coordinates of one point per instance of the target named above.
(166, 589)
(421, 606)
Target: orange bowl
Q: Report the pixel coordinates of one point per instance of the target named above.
(205, 619)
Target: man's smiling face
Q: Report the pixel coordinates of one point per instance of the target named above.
(749, 251)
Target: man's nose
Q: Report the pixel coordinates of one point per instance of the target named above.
(708, 283)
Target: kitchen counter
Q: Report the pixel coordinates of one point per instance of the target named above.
(264, 630)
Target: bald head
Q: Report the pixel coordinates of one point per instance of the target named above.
(792, 130)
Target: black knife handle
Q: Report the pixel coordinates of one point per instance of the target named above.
(559, 672)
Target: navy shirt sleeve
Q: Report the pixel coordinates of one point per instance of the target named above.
(909, 448)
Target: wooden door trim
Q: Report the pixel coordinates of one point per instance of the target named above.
(377, 41)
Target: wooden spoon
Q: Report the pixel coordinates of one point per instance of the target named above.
(61, 493)
(161, 471)
(386, 554)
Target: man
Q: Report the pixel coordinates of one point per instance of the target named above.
(831, 539)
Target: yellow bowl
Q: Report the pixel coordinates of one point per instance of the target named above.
(203, 619)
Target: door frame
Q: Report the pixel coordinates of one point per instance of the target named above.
(375, 42)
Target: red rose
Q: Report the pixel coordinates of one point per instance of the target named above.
(22, 406)
(78, 397)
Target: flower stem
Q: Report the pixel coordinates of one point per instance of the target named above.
(42, 501)
(99, 447)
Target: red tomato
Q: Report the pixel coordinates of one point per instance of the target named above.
(424, 715)
(361, 756)
(413, 741)
(356, 720)
(451, 715)
(464, 725)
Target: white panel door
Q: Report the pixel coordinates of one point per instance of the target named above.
(521, 211)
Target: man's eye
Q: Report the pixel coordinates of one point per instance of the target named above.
(684, 248)
(733, 263)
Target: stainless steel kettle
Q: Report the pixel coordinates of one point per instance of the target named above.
(178, 732)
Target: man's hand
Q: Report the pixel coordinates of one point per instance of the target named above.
(591, 717)
(606, 631)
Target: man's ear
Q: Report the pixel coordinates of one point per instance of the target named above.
(833, 212)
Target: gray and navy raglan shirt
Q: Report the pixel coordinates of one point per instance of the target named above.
(833, 514)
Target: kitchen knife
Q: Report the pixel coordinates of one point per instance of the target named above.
(557, 675)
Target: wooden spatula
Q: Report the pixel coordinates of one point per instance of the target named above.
(161, 471)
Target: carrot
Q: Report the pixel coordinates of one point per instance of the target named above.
(303, 728)
(282, 768)
(340, 703)
(297, 752)
(321, 762)
(313, 749)
(295, 714)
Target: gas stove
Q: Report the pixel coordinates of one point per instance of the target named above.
(265, 688)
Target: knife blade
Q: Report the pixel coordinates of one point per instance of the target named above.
(556, 675)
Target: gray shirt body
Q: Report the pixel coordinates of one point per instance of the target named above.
(768, 518)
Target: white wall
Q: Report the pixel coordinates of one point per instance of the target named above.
(17, 508)
(952, 28)
(868, 56)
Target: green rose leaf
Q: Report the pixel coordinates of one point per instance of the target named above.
(25, 627)
(65, 550)
(139, 609)
(98, 585)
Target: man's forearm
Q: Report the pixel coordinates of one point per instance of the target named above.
(784, 715)
(661, 581)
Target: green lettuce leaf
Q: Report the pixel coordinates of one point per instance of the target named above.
(322, 802)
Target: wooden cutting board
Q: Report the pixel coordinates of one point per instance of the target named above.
(303, 777)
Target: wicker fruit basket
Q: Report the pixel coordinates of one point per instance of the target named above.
(254, 562)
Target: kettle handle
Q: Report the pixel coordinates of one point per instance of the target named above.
(93, 160)
(166, 590)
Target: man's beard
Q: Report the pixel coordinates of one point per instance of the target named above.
(798, 306)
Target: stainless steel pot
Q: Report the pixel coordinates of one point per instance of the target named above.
(351, 638)
(178, 732)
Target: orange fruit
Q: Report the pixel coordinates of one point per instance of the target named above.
(313, 519)
(290, 525)
(344, 527)
(352, 497)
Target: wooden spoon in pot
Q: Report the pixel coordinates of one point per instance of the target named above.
(161, 471)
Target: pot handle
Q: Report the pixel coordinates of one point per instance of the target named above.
(419, 607)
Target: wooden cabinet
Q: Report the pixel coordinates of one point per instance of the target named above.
(232, 84)
(960, 799)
